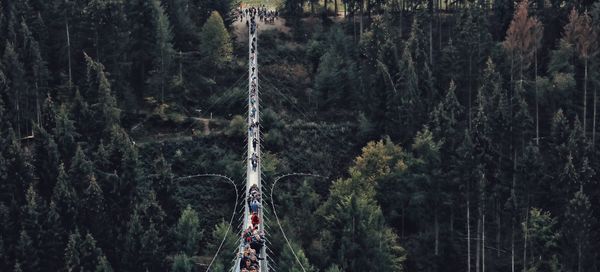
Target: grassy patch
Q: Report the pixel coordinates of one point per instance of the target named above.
(271, 4)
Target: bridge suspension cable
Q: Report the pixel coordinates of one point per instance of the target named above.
(252, 249)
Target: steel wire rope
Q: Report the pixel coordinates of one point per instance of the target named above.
(232, 215)
(300, 111)
(277, 217)
(278, 92)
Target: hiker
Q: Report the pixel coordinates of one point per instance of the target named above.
(254, 206)
(254, 142)
(254, 163)
(255, 220)
(257, 242)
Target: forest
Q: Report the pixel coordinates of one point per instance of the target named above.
(441, 135)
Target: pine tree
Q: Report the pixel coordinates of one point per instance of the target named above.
(449, 66)
(103, 265)
(355, 229)
(188, 232)
(81, 171)
(48, 118)
(19, 172)
(577, 229)
(104, 105)
(540, 228)
(101, 157)
(163, 53)
(32, 216)
(81, 114)
(140, 17)
(162, 183)
(82, 254)
(471, 43)
(144, 243)
(37, 71)
(184, 28)
(91, 215)
(65, 134)
(215, 45)
(123, 178)
(27, 254)
(182, 263)
(288, 260)
(15, 80)
(65, 199)
(53, 240)
(335, 81)
(587, 44)
(3, 255)
(522, 39)
(225, 256)
(46, 161)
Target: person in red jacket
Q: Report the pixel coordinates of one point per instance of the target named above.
(255, 219)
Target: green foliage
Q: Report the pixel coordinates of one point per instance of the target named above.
(65, 133)
(237, 127)
(82, 254)
(230, 244)
(355, 236)
(335, 81)
(27, 254)
(458, 162)
(540, 230)
(577, 230)
(182, 263)
(106, 112)
(187, 232)
(144, 241)
(215, 43)
(289, 261)
(65, 198)
(163, 53)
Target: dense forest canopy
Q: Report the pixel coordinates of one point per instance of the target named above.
(454, 135)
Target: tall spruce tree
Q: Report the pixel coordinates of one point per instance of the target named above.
(65, 199)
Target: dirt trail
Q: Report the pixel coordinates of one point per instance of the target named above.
(240, 30)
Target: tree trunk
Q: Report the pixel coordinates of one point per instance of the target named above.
(579, 256)
(431, 33)
(594, 117)
(335, 7)
(162, 76)
(361, 13)
(38, 114)
(525, 239)
(498, 230)
(585, 97)
(483, 242)
(436, 226)
(478, 243)
(468, 234)
(69, 84)
(470, 90)
(452, 222)
(402, 232)
(537, 110)
(512, 247)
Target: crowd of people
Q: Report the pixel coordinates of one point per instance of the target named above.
(253, 123)
(253, 238)
(261, 13)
